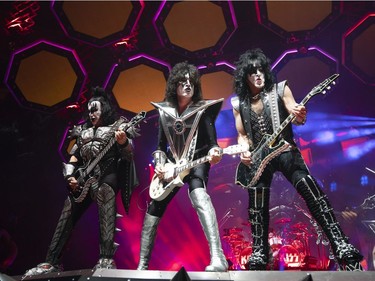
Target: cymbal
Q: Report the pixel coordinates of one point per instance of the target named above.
(300, 225)
(283, 220)
(234, 230)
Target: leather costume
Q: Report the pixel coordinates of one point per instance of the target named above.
(115, 171)
(293, 167)
(187, 136)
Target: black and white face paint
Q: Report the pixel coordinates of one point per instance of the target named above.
(95, 111)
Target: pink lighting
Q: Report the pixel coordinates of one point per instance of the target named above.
(353, 43)
(283, 56)
(151, 59)
(226, 64)
(70, 32)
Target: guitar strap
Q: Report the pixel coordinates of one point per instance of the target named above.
(275, 114)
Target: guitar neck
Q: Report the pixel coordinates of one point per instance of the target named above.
(285, 123)
(190, 165)
(99, 157)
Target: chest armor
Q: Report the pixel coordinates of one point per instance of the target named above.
(181, 131)
(92, 141)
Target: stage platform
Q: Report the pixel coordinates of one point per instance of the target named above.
(182, 275)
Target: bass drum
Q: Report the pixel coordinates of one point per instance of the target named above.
(244, 257)
(289, 257)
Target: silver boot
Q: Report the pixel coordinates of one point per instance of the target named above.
(150, 225)
(201, 202)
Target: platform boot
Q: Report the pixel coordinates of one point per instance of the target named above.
(347, 256)
(259, 220)
(201, 202)
(150, 225)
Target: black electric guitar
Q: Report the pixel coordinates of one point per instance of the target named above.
(159, 189)
(368, 204)
(83, 174)
(248, 176)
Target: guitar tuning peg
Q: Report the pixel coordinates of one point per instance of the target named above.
(324, 92)
(329, 88)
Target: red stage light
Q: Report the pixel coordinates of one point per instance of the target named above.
(22, 19)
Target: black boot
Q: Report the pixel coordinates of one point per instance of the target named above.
(348, 257)
(259, 219)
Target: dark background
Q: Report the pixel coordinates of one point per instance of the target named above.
(338, 139)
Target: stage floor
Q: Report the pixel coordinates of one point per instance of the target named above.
(182, 275)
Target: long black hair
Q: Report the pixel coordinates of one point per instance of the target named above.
(109, 114)
(245, 65)
(176, 75)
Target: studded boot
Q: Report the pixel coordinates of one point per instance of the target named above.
(259, 220)
(347, 256)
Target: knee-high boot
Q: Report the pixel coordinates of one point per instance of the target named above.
(201, 202)
(259, 220)
(106, 198)
(346, 254)
(62, 234)
(150, 225)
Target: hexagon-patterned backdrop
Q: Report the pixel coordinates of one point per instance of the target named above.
(52, 52)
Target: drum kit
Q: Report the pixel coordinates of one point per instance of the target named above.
(289, 246)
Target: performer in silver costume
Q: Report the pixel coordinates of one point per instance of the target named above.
(259, 108)
(187, 128)
(115, 171)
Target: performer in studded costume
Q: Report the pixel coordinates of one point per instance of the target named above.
(258, 108)
(114, 171)
(187, 127)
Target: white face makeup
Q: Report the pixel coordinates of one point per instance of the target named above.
(256, 79)
(185, 89)
(95, 111)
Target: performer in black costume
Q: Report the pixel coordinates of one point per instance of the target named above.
(187, 128)
(259, 108)
(114, 171)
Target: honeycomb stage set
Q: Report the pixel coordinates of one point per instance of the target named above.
(183, 275)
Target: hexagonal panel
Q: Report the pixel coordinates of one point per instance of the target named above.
(195, 30)
(140, 81)
(358, 49)
(286, 17)
(45, 76)
(98, 22)
(295, 66)
(135, 88)
(193, 26)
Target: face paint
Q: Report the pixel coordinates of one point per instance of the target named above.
(95, 111)
(255, 78)
(185, 89)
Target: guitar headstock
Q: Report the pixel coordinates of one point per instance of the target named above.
(324, 86)
(369, 203)
(138, 118)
